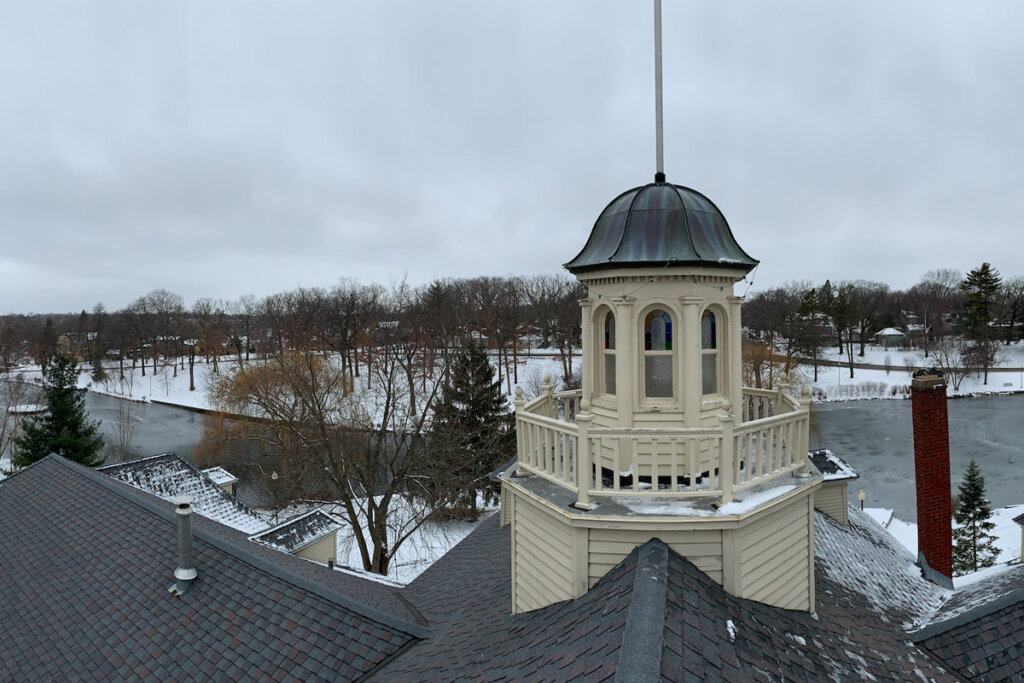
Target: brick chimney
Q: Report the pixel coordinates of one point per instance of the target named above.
(931, 474)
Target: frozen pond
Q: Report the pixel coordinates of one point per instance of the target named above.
(158, 428)
(876, 438)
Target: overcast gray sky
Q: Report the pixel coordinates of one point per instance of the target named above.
(223, 148)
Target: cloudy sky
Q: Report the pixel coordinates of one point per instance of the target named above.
(223, 148)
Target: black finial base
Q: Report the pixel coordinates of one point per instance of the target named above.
(659, 177)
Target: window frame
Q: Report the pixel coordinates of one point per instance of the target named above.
(672, 334)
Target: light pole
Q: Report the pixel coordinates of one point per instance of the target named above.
(861, 496)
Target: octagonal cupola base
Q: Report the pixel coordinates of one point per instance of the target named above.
(760, 547)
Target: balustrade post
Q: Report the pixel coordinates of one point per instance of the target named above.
(804, 449)
(520, 402)
(780, 399)
(726, 463)
(584, 457)
(546, 389)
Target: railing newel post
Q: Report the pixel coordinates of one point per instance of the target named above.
(584, 459)
(803, 447)
(725, 465)
(521, 437)
(546, 390)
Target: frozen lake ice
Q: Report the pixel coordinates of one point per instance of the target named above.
(876, 438)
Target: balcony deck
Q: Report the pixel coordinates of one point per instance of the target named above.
(556, 442)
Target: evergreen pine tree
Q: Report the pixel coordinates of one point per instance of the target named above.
(63, 429)
(472, 432)
(973, 546)
(982, 289)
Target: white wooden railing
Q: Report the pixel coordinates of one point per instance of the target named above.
(556, 441)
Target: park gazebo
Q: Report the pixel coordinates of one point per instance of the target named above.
(662, 440)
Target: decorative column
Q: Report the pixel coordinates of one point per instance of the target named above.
(690, 382)
(625, 359)
(734, 356)
(589, 353)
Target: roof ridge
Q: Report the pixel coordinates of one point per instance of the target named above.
(142, 459)
(292, 520)
(643, 636)
(937, 628)
(149, 502)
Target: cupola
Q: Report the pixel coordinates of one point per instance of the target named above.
(662, 440)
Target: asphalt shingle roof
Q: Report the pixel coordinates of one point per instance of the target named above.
(84, 573)
(987, 647)
(87, 562)
(299, 531)
(654, 604)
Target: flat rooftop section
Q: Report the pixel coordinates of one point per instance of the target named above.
(831, 466)
(628, 503)
(220, 476)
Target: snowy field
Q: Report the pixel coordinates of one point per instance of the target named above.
(168, 386)
(423, 547)
(835, 384)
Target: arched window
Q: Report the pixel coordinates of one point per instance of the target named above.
(709, 352)
(608, 352)
(658, 354)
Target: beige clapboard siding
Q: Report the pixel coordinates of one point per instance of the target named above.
(831, 499)
(543, 556)
(608, 547)
(321, 550)
(774, 557)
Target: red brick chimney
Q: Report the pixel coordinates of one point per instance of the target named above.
(931, 474)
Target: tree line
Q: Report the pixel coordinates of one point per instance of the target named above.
(958, 321)
(506, 315)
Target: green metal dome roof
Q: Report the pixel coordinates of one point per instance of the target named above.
(657, 225)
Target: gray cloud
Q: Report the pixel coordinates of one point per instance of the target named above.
(222, 148)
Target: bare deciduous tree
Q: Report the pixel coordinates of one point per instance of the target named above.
(365, 451)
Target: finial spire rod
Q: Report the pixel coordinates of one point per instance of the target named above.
(659, 175)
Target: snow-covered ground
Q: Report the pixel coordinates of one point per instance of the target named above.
(835, 384)
(167, 387)
(1007, 534)
(423, 547)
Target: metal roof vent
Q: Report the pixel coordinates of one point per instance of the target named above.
(185, 574)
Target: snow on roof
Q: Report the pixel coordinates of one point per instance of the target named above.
(890, 332)
(867, 559)
(996, 587)
(220, 476)
(745, 501)
(831, 466)
(299, 532)
(166, 476)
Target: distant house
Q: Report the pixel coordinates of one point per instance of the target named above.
(890, 337)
